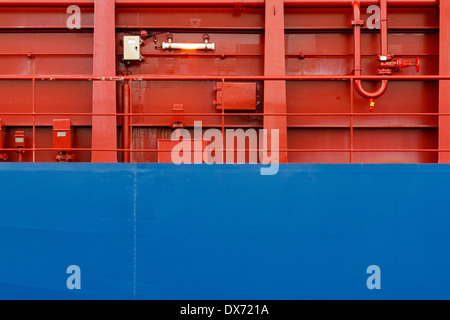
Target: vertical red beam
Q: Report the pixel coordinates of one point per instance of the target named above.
(33, 106)
(444, 85)
(131, 121)
(126, 121)
(352, 110)
(275, 65)
(104, 128)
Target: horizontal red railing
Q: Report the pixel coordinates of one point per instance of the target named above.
(219, 114)
(235, 149)
(218, 3)
(222, 114)
(225, 78)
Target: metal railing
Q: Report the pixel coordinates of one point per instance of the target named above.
(351, 150)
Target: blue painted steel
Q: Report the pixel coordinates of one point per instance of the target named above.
(154, 231)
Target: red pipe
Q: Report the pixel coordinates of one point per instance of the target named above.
(225, 78)
(357, 48)
(261, 3)
(126, 121)
(364, 3)
(217, 3)
(384, 28)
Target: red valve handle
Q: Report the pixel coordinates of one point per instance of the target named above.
(409, 63)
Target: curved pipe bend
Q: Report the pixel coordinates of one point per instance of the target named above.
(357, 48)
(371, 95)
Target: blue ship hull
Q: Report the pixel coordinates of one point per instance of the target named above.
(154, 231)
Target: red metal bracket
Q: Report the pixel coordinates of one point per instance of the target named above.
(3, 156)
(178, 119)
(19, 141)
(63, 157)
(62, 139)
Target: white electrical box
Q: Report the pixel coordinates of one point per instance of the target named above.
(131, 48)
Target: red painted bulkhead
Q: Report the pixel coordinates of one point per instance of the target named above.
(298, 55)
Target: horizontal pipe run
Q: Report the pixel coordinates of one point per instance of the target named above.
(224, 149)
(209, 114)
(218, 3)
(224, 78)
(260, 3)
(46, 3)
(208, 54)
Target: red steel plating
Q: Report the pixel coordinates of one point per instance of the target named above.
(293, 66)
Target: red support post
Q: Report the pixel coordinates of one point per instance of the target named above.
(275, 65)
(126, 121)
(104, 128)
(444, 85)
